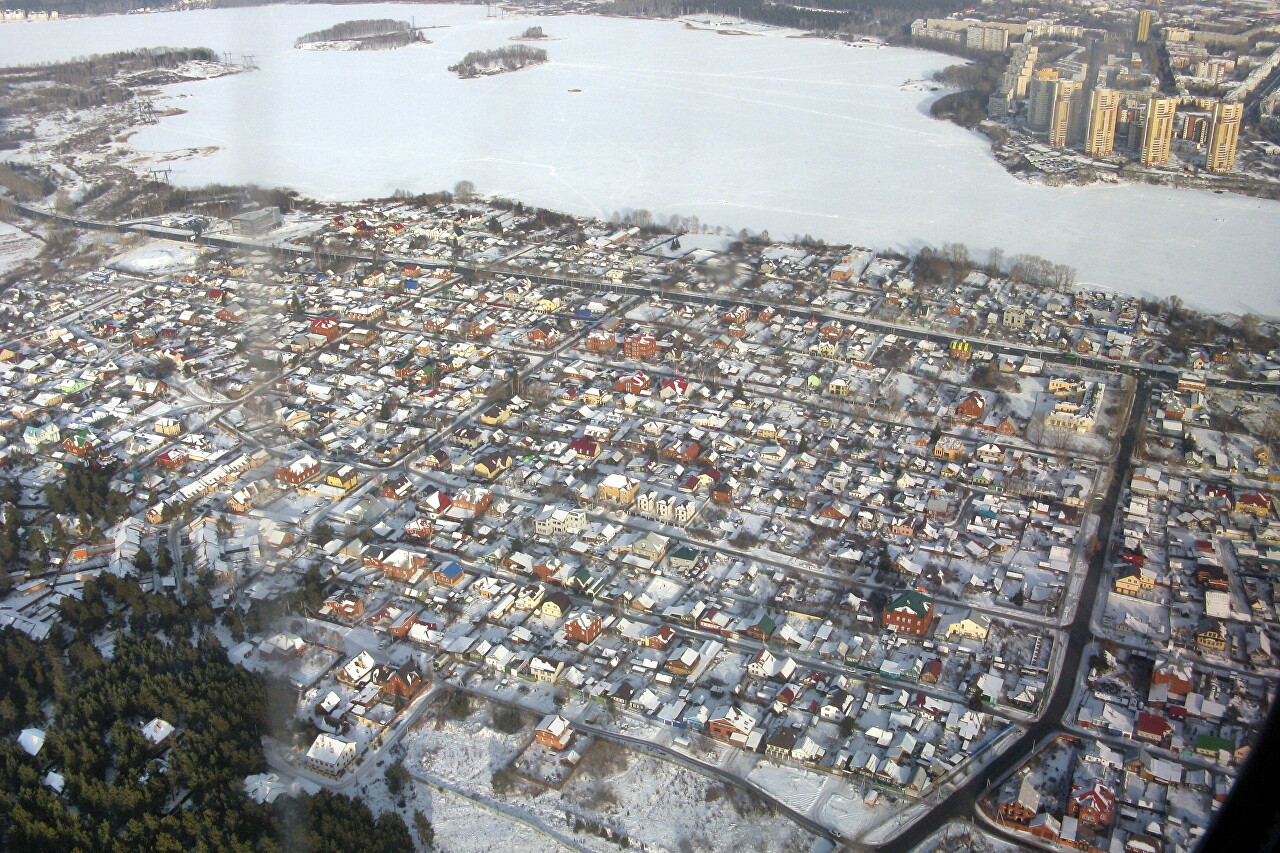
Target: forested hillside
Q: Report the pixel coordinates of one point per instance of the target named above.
(123, 794)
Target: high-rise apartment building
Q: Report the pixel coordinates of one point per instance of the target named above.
(1041, 100)
(1017, 74)
(989, 37)
(1014, 81)
(1158, 131)
(1144, 26)
(1100, 136)
(1223, 135)
(1066, 109)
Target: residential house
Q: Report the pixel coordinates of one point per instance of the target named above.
(910, 613)
(584, 628)
(554, 732)
(330, 755)
(1022, 808)
(730, 724)
(1093, 806)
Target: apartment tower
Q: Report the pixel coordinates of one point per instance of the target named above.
(1041, 100)
(1144, 26)
(1065, 110)
(1158, 131)
(1100, 137)
(1223, 135)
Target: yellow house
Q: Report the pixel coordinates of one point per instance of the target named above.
(973, 626)
(493, 465)
(496, 414)
(1211, 636)
(345, 478)
(1254, 503)
(168, 426)
(1133, 583)
(555, 605)
(618, 489)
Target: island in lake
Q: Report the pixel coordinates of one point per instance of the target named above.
(367, 34)
(481, 63)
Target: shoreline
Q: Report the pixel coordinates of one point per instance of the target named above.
(1018, 167)
(1090, 172)
(96, 166)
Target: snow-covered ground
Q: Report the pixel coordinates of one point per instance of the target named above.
(795, 787)
(156, 257)
(786, 134)
(656, 802)
(961, 837)
(16, 246)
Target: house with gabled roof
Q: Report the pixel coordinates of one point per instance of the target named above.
(1022, 808)
(1093, 806)
(730, 724)
(910, 613)
(554, 731)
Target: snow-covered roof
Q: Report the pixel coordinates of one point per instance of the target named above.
(31, 740)
(157, 730)
(329, 750)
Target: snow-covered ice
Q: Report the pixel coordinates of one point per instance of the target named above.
(787, 135)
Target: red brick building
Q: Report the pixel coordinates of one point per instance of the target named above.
(584, 628)
(1093, 806)
(909, 613)
(640, 346)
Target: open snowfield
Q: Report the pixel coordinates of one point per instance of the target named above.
(156, 257)
(851, 816)
(766, 132)
(16, 246)
(659, 803)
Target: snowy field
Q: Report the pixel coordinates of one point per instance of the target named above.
(16, 246)
(766, 132)
(658, 803)
(157, 256)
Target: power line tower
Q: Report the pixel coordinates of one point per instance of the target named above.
(249, 61)
(160, 175)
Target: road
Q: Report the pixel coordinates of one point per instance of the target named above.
(962, 801)
(1152, 370)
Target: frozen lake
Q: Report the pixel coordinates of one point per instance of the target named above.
(790, 135)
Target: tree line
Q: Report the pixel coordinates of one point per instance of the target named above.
(976, 80)
(372, 33)
(510, 58)
(868, 17)
(87, 81)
